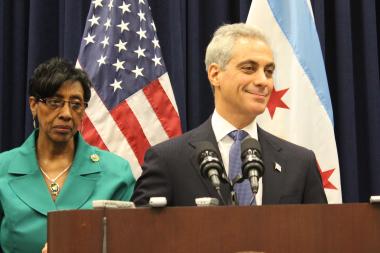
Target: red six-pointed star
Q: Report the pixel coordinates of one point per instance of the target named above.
(325, 178)
(276, 101)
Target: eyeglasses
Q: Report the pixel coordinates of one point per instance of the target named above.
(54, 103)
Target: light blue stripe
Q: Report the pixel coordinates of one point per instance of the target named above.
(295, 20)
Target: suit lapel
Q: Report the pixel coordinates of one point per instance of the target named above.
(273, 179)
(28, 183)
(81, 181)
(205, 133)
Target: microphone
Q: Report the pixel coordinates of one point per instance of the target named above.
(252, 165)
(209, 163)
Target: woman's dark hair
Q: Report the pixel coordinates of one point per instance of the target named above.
(48, 77)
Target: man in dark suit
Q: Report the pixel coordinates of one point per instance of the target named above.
(240, 68)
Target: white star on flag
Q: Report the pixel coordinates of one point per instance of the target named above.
(138, 71)
(105, 42)
(141, 15)
(89, 39)
(156, 60)
(153, 26)
(116, 85)
(155, 43)
(125, 7)
(102, 60)
(121, 46)
(97, 3)
(140, 52)
(118, 64)
(142, 33)
(107, 24)
(110, 5)
(123, 26)
(94, 20)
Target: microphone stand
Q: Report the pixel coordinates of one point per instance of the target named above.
(217, 188)
(253, 198)
(234, 199)
(104, 230)
(221, 196)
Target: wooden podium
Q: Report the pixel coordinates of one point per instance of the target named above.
(269, 229)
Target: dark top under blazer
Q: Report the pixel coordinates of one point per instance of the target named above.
(171, 170)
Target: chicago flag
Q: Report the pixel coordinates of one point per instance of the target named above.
(299, 109)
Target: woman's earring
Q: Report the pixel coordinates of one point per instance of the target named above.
(34, 122)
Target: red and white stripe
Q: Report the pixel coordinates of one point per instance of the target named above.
(146, 118)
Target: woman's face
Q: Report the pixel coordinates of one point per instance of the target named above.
(60, 115)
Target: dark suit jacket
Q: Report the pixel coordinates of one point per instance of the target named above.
(171, 170)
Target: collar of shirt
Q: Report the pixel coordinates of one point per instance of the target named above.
(222, 128)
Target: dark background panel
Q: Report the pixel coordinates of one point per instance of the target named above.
(33, 31)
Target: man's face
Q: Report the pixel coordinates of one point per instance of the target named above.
(243, 88)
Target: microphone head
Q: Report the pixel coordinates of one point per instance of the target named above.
(252, 144)
(207, 158)
(251, 157)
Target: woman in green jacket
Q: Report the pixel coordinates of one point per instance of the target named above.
(55, 169)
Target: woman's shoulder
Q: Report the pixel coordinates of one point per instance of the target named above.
(9, 156)
(114, 165)
(110, 156)
(109, 162)
(98, 154)
(10, 159)
(20, 153)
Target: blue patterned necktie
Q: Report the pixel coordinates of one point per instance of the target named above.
(243, 189)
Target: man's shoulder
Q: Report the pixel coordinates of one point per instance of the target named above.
(279, 143)
(185, 139)
(175, 142)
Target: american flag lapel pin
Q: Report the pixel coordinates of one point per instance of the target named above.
(277, 167)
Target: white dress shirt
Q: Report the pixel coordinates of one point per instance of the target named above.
(222, 128)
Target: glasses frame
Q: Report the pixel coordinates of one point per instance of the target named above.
(64, 101)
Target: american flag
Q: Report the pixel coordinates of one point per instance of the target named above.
(132, 105)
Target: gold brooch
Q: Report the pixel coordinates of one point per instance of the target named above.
(94, 158)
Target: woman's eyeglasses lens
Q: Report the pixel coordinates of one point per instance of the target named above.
(55, 103)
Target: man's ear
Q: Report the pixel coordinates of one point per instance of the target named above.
(33, 106)
(213, 73)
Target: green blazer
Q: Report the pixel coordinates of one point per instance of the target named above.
(25, 199)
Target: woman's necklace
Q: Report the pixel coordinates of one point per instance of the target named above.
(54, 186)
